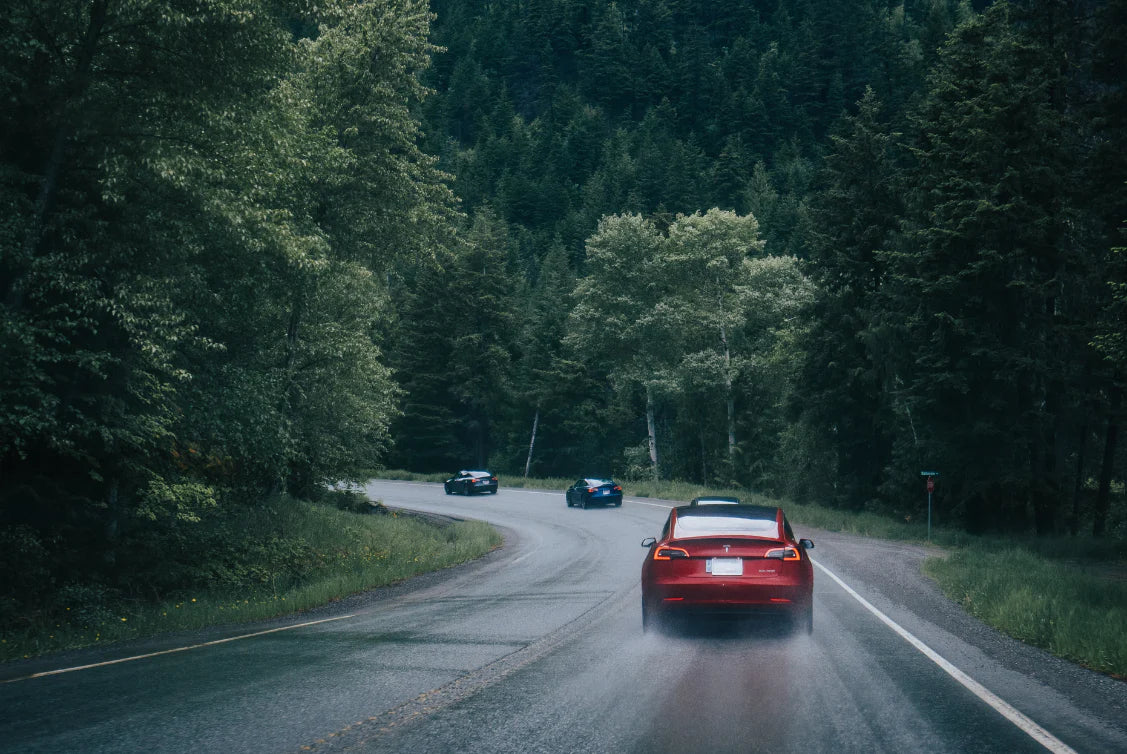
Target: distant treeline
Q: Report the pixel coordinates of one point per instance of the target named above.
(811, 247)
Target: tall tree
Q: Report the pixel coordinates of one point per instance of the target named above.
(619, 311)
(453, 350)
(843, 394)
(986, 275)
(711, 255)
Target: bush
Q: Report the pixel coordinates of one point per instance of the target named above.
(26, 564)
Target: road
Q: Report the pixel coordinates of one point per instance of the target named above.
(538, 648)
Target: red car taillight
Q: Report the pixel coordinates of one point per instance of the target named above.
(783, 553)
(617, 488)
(670, 553)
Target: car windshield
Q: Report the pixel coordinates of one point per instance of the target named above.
(731, 523)
(717, 501)
(598, 482)
(477, 474)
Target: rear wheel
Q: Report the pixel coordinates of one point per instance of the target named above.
(804, 621)
(583, 502)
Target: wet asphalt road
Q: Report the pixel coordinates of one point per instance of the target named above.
(538, 648)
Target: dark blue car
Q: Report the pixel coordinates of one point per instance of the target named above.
(470, 482)
(594, 491)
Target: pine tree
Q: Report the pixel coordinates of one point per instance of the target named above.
(985, 274)
(842, 395)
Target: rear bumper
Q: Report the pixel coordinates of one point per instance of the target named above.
(714, 596)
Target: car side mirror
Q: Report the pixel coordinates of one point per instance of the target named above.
(807, 543)
(649, 542)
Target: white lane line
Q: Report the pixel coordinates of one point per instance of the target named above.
(174, 650)
(1032, 729)
(652, 505)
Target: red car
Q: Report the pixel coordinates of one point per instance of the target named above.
(727, 559)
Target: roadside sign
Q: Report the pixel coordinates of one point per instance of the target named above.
(930, 489)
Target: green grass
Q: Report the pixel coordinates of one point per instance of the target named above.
(342, 553)
(407, 476)
(1073, 609)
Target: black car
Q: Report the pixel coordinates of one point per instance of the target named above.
(594, 492)
(714, 500)
(469, 482)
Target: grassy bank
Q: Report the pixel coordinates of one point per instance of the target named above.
(300, 555)
(1074, 609)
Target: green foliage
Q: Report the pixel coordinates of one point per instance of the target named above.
(689, 315)
(200, 208)
(239, 565)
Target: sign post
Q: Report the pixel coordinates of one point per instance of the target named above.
(930, 489)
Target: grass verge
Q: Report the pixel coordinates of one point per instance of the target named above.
(1073, 609)
(340, 553)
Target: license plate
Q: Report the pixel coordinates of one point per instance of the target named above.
(725, 566)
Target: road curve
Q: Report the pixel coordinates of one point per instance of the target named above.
(538, 647)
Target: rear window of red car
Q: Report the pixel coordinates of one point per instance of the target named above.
(727, 523)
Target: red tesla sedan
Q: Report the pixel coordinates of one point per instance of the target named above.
(727, 559)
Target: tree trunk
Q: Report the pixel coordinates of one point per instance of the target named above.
(532, 442)
(113, 520)
(1082, 451)
(650, 429)
(1046, 487)
(1078, 482)
(1099, 523)
(730, 401)
(703, 459)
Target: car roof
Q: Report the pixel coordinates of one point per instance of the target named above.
(714, 500)
(735, 511)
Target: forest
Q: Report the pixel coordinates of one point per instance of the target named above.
(803, 247)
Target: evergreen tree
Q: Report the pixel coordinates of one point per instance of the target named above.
(986, 274)
(842, 395)
(454, 349)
